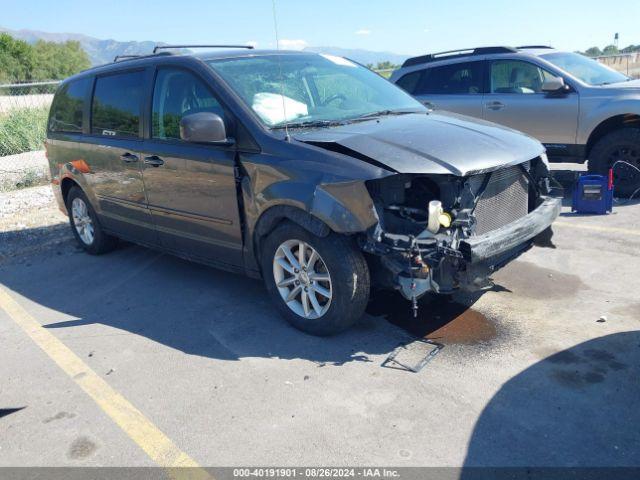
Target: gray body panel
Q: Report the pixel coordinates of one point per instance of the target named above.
(192, 199)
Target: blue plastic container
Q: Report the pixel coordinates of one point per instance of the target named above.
(593, 194)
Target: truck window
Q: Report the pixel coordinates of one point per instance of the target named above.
(67, 107)
(409, 82)
(117, 103)
(454, 79)
(178, 93)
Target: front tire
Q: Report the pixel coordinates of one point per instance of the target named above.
(622, 144)
(319, 284)
(85, 225)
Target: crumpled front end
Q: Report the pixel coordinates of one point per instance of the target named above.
(441, 233)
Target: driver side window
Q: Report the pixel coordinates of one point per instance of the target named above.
(178, 93)
(516, 76)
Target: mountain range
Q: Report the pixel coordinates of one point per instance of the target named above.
(104, 51)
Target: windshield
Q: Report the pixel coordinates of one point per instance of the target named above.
(306, 89)
(586, 69)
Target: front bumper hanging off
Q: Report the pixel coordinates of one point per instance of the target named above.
(469, 264)
(502, 240)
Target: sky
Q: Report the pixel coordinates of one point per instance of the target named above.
(401, 26)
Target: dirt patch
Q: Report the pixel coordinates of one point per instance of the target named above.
(30, 221)
(529, 280)
(575, 379)
(59, 416)
(566, 357)
(590, 367)
(439, 318)
(81, 448)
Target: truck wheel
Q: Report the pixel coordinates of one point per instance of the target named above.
(623, 144)
(85, 225)
(319, 284)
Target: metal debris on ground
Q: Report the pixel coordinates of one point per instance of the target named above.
(413, 356)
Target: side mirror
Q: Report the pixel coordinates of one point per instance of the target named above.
(203, 127)
(555, 85)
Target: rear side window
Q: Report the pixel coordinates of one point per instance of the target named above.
(117, 104)
(68, 106)
(454, 79)
(409, 82)
(178, 93)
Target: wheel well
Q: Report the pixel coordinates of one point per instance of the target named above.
(610, 125)
(271, 218)
(65, 186)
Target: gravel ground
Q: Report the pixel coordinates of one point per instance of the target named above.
(23, 168)
(30, 221)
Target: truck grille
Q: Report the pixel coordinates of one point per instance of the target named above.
(505, 199)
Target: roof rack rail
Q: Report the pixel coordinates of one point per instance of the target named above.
(124, 57)
(533, 46)
(165, 47)
(464, 52)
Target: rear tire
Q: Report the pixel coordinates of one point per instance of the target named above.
(339, 264)
(85, 225)
(622, 144)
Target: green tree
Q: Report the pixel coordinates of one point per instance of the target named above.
(16, 59)
(610, 50)
(631, 49)
(55, 61)
(21, 62)
(386, 65)
(593, 52)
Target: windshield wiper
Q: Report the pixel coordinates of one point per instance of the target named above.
(382, 113)
(309, 123)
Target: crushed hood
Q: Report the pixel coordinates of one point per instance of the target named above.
(437, 142)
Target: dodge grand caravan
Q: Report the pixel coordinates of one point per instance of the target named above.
(307, 170)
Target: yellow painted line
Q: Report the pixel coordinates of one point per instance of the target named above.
(596, 228)
(131, 420)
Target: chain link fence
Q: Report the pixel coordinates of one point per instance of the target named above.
(24, 108)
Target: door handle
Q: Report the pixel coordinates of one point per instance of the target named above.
(128, 157)
(495, 105)
(153, 160)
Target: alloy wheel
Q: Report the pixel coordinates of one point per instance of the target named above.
(82, 221)
(302, 279)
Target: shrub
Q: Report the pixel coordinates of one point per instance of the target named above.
(23, 130)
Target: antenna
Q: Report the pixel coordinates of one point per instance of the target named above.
(284, 108)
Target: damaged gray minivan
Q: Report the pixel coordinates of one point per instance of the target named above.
(307, 170)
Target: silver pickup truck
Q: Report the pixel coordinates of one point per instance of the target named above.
(578, 108)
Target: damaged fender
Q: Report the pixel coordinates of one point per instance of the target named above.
(345, 207)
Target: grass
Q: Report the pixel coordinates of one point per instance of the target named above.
(23, 130)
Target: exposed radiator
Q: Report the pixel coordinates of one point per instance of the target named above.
(505, 199)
